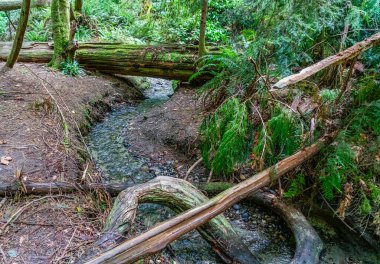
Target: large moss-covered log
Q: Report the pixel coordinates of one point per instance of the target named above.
(16, 4)
(179, 195)
(163, 61)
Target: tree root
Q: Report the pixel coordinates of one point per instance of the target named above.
(179, 195)
(309, 244)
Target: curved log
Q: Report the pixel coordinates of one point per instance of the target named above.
(16, 4)
(309, 244)
(159, 236)
(179, 195)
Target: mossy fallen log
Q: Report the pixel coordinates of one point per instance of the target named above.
(161, 61)
(16, 4)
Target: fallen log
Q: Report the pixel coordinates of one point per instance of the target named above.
(42, 188)
(161, 235)
(179, 195)
(338, 58)
(16, 4)
(163, 61)
(308, 243)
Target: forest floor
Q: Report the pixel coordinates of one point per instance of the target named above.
(57, 228)
(49, 229)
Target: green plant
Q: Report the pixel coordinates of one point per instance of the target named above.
(71, 68)
(297, 185)
(225, 137)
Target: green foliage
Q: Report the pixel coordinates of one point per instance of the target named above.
(369, 89)
(297, 185)
(225, 136)
(328, 95)
(366, 207)
(340, 165)
(280, 137)
(71, 68)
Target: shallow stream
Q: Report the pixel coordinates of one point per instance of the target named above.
(264, 232)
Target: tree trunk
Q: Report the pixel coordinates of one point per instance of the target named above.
(16, 4)
(19, 38)
(179, 195)
(161, 235)
(60, 15)
(164, 61)
(78, 6)
(338, 58)
(202, 35)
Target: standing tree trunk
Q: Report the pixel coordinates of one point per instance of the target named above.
(19, 38)
(202, 34)
(60, 15)
(78, 6)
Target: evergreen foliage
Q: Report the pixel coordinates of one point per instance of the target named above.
(225, 136)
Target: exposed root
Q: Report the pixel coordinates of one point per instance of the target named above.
(309, 244)
(179, 195)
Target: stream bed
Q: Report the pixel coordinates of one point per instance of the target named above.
(265, 233)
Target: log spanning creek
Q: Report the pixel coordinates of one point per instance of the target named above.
(265, 233)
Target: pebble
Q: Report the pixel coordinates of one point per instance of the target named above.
(236, 206)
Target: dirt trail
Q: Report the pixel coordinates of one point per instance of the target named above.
(51, 229)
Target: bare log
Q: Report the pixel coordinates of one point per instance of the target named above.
(342, 56)
(41, 188)
(163, 61)
(179, 195)
(16, 4)
(161, 235)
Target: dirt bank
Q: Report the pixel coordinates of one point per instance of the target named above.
(52, 229)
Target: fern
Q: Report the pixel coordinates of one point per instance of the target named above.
(297, 185)
(340, 164)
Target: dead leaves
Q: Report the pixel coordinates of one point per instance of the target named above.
(5, 160)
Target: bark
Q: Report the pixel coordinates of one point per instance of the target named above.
(309, 245)
(202, 34)
(179, 195)
(338, 58)
(161, 235)
(16, 4)
(78, 6)
(60, 15)
(164, 61)
(19, 38)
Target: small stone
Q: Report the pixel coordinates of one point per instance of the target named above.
(236, 206)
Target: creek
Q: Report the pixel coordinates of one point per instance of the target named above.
(264, 232)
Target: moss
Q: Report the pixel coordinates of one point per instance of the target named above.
(61, 30)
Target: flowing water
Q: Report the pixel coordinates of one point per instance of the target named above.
(264, 233)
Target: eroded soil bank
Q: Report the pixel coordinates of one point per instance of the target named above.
(52, 229)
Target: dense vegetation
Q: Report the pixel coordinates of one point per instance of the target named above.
(261, 41)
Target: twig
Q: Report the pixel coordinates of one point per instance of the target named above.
(68, 244)
(210, 176)
(65, 124)
(264, 129)
(22, 209)
(192, 167)
(3, 254)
